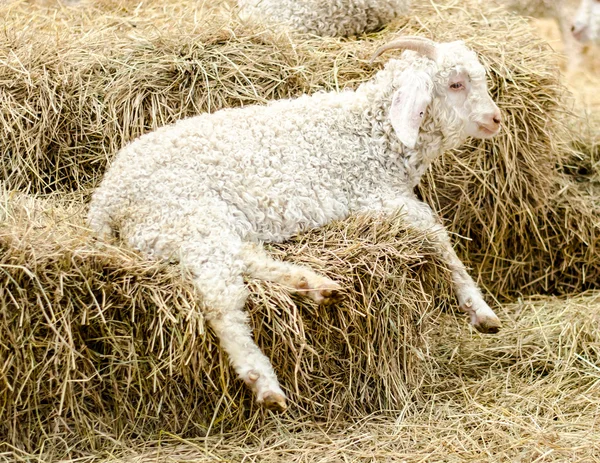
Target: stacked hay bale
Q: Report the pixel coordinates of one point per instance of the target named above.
(93, 79)
(97, 341)
(103, 343)
(530, 394)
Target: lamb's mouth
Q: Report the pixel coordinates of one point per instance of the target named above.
(486, 131)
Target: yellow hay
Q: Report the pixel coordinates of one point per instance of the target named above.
(100, 346)
(98, 341)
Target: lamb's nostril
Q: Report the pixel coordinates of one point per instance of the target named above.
(496, 119)
(579, 31)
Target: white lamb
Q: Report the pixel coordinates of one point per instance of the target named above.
(586, 26)
(326, 18)
(208, 190)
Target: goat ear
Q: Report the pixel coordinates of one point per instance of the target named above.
(409, 104)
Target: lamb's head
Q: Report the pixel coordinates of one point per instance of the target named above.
(445, 81)
(586, 26)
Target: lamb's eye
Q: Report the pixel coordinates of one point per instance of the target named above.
(457, 86)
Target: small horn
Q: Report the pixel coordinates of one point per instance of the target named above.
(421, 45)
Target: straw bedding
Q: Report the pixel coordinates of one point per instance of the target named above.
(100, 349)
(532, 394)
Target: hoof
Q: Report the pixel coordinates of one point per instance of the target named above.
(324, 292)
(482, 317)
(328, 297)
(487, 325)
(273, 401)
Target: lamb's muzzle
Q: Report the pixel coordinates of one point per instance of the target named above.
(586, 25)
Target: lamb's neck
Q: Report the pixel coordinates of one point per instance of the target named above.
(408, 164)
(417, 161)
(436, 136)
(431, 144)
(411, 164)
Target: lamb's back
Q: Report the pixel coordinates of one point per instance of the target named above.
(283, 167)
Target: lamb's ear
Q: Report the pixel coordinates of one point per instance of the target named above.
(409, 104)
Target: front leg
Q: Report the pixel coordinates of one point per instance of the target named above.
(420, 215)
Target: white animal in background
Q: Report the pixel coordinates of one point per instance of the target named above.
(561, 11)
(208, 190)
(586, 26)
(534, 8)
(335, 18)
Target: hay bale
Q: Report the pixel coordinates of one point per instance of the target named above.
(103, 342)
(125, 70)
(544, 243)
(99, 342)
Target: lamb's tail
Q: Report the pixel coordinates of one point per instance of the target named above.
(100, 222)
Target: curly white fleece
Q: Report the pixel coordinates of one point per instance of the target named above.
(327, 18)
(266, 173)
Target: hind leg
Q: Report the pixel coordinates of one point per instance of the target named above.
(301, 280)
(217, 271)
(251, 365)
(209, 248)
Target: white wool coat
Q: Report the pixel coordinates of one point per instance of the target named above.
(207, 190)
(326, 18)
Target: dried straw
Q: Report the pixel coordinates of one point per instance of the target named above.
(99, 346)
(531, 395)
(97, 341)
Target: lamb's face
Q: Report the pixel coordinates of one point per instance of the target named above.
(462, 92)
(586, 26)
(442, 82)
